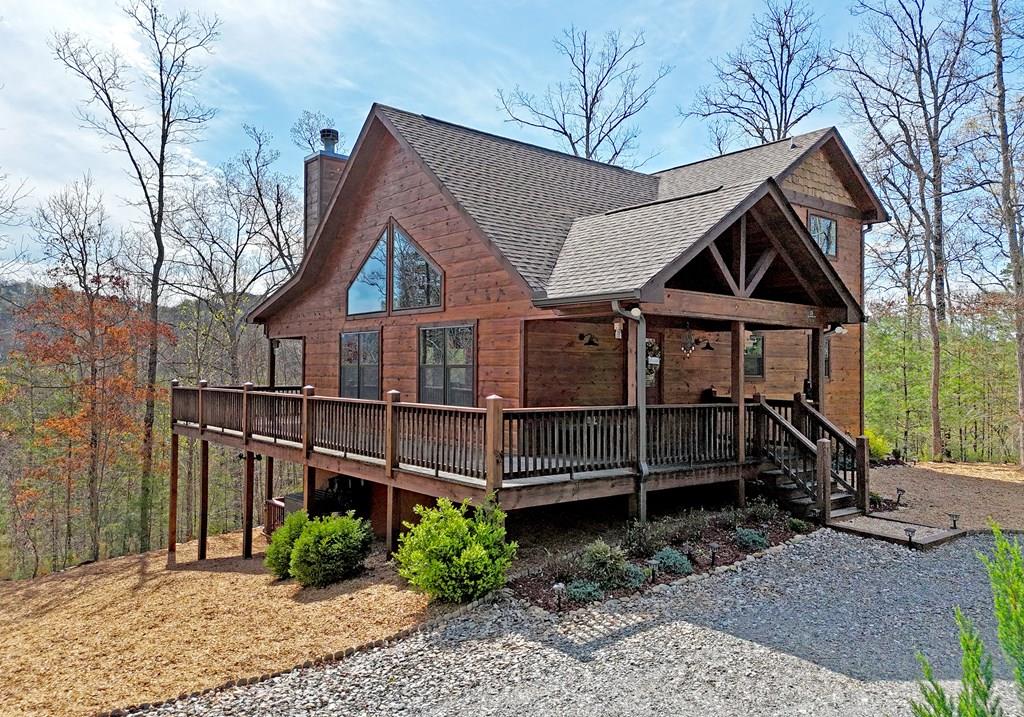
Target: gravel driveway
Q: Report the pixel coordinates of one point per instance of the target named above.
(828, 626)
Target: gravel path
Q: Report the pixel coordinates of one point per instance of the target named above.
(828, 626)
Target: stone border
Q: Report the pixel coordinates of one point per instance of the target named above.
(329, 658)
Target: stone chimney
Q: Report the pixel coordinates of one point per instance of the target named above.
(322, 172)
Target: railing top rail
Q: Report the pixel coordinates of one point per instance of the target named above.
(277, 394)
(723, 404)
(341, 399)
(566, 409)
(789, 428)
(439, 407)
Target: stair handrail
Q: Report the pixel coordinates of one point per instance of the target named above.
(792, 469)
(844, 455)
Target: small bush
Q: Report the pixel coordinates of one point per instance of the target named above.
(330, 549)
(454, 555)
(761, 511)
(642, 540)
(584, 591)
(729, 518)
(673, 562)
(878, 445)
(603, 564)
(279, 553)
(691, 526)
(799, 526)
(749, 539)
(634, 577)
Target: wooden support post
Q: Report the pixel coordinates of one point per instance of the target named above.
(818, 369)
(799, 417)
(309, 473)
(863, 475)
(268, 488)
(631, 368)
(246, 428)
(392, 522)
(202, 416)
(739, 393)
(172, 505)
(247, 497)
(271, 362)
(758, 439)
(823, 477)
(493, 448)
(204, 495)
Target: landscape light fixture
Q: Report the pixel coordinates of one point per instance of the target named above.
(653, 565)
(899, 495)
(714, 552)
(910, 535)
(558, 589)
(954, 517)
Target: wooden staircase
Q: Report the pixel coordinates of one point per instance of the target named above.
(796, 449)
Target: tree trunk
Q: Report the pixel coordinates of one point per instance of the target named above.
(153, 349)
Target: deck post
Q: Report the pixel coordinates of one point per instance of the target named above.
(247, 497)
(739, 393)
(392, 522)
(172, 505)
(246, 429)
(268, 488)
(493, 447)
(758, 438)
(818, 369)
(271, 362)
(202, 416)
(863, 475)
(799, 417)
(308, 472)
(823, 479)
(204, 495)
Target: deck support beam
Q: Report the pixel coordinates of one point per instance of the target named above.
(204, 495)
(636, 389)
(739, 392)
(247, 499)
(172, 505)
(392, 521)
(308, 471)
(268, 488)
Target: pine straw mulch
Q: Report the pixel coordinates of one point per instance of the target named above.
(129, 630)
(978, 492)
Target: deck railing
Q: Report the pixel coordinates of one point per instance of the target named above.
(688, 435)
(498, 444)
(555, 441)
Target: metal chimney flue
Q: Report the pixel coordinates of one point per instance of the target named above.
(330, 139)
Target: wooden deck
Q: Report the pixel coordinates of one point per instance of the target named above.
(524, 456)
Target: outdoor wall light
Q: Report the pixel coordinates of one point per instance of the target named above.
(619, 324)
(588, 339)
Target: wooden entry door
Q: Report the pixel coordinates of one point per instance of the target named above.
(655, 368)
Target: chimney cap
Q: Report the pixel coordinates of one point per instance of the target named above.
(329, 137)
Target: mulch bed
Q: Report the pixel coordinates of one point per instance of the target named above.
(536, 586)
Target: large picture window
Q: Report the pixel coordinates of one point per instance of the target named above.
(360, 365)
(447, 364)
(397, 274)
(753, 357)
(825, 233)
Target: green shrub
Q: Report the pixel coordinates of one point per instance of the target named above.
(672, 561)
(762, 511)
(454, 555)
(603, 564)
(330, 549)
(584, 591)
(690, 526)
(634, 577)
(642, 540)
(878, 445)
(750, 539)
(729, 518)
(799, 526)
(279, 553)
(976, 697)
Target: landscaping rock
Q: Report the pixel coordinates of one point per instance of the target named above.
(827, 626)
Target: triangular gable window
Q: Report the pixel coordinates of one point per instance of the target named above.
(396, 274)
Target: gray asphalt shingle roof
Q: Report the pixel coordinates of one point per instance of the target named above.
(550, 213)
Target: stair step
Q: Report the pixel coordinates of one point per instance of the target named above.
(836, 496)
(845, 512)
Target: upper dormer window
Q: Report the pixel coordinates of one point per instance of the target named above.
(396, 273)
(824, 231)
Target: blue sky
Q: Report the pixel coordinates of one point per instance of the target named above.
(275, 59)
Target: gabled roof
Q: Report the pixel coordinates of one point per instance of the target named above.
(572, 227)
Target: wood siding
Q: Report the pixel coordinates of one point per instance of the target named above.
(477, 287)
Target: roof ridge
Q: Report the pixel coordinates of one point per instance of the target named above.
(742, 150)
(678, 197)
(520, 142)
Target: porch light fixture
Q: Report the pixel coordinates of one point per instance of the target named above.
(588, 339)
(619, 324)
(707, 345)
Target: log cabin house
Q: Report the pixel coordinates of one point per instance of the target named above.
(480, 315)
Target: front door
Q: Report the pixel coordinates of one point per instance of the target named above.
(655, 369)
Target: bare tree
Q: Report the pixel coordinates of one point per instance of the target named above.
(11, 196)
(150, 127)
(909, 81)
(767, 86)
(592, 111)
(305, 131)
